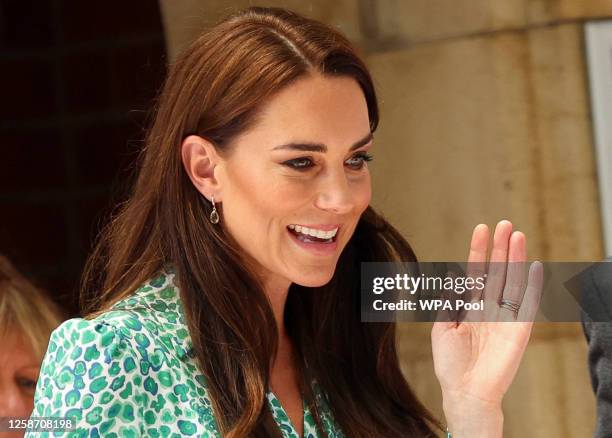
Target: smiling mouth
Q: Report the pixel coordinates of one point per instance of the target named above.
(312, 235)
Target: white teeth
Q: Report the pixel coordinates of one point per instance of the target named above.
(313, 231)
(310, 231)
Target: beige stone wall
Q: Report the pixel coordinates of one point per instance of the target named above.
(185, 19)
(488, 125)
(484, 116)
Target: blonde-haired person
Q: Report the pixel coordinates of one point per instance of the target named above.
(27, 318)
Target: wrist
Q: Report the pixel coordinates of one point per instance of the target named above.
(468, 416)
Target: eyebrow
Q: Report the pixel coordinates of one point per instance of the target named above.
(319, 147)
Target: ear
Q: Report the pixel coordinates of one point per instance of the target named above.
(200, 159)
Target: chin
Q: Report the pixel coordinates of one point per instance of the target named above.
(316, 280)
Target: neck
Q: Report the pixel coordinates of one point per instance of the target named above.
(277, 291)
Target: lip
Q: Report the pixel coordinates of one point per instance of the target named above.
(316, 248)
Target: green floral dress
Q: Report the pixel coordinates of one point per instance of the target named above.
(132, 372)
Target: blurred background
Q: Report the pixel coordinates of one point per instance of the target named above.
(77, 81)
(485, 116)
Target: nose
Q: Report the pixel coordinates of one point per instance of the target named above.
(334, 193)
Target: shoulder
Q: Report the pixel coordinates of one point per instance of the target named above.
(148, 322)
(127, 370)
(89, 375)
(593, 286)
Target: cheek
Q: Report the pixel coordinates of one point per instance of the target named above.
(256, 200)
(363, 194)
(26, 403)
(15, 402)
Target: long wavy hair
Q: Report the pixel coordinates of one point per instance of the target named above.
(215, 89)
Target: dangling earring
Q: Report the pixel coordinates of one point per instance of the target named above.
(214, 216)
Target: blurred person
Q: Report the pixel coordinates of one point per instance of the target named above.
(27, 318)
(597, 325)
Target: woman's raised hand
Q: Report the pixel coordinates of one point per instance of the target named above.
(476, 358)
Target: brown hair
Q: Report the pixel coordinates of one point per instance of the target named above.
(25, 308)
(214, 90)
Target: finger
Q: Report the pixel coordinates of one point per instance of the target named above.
(533, 293)
(453, 297)
(496, 275)
(446, 315)
(478, 246)
(515, 275)
(500, 241)
(477, 258)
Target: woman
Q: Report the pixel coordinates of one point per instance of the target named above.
(230, 292)
(27, 318)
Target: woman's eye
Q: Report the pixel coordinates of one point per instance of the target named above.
(27, 385)
(299, 163)
(358, 160)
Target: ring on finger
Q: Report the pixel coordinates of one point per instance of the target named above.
(510, 305)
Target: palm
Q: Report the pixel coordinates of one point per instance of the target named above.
(480, 359)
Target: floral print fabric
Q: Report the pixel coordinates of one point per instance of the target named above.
(132, 372)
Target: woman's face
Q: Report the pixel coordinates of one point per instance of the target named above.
(301, 170)
(19, 369)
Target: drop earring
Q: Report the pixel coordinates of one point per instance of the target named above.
(214, 216)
